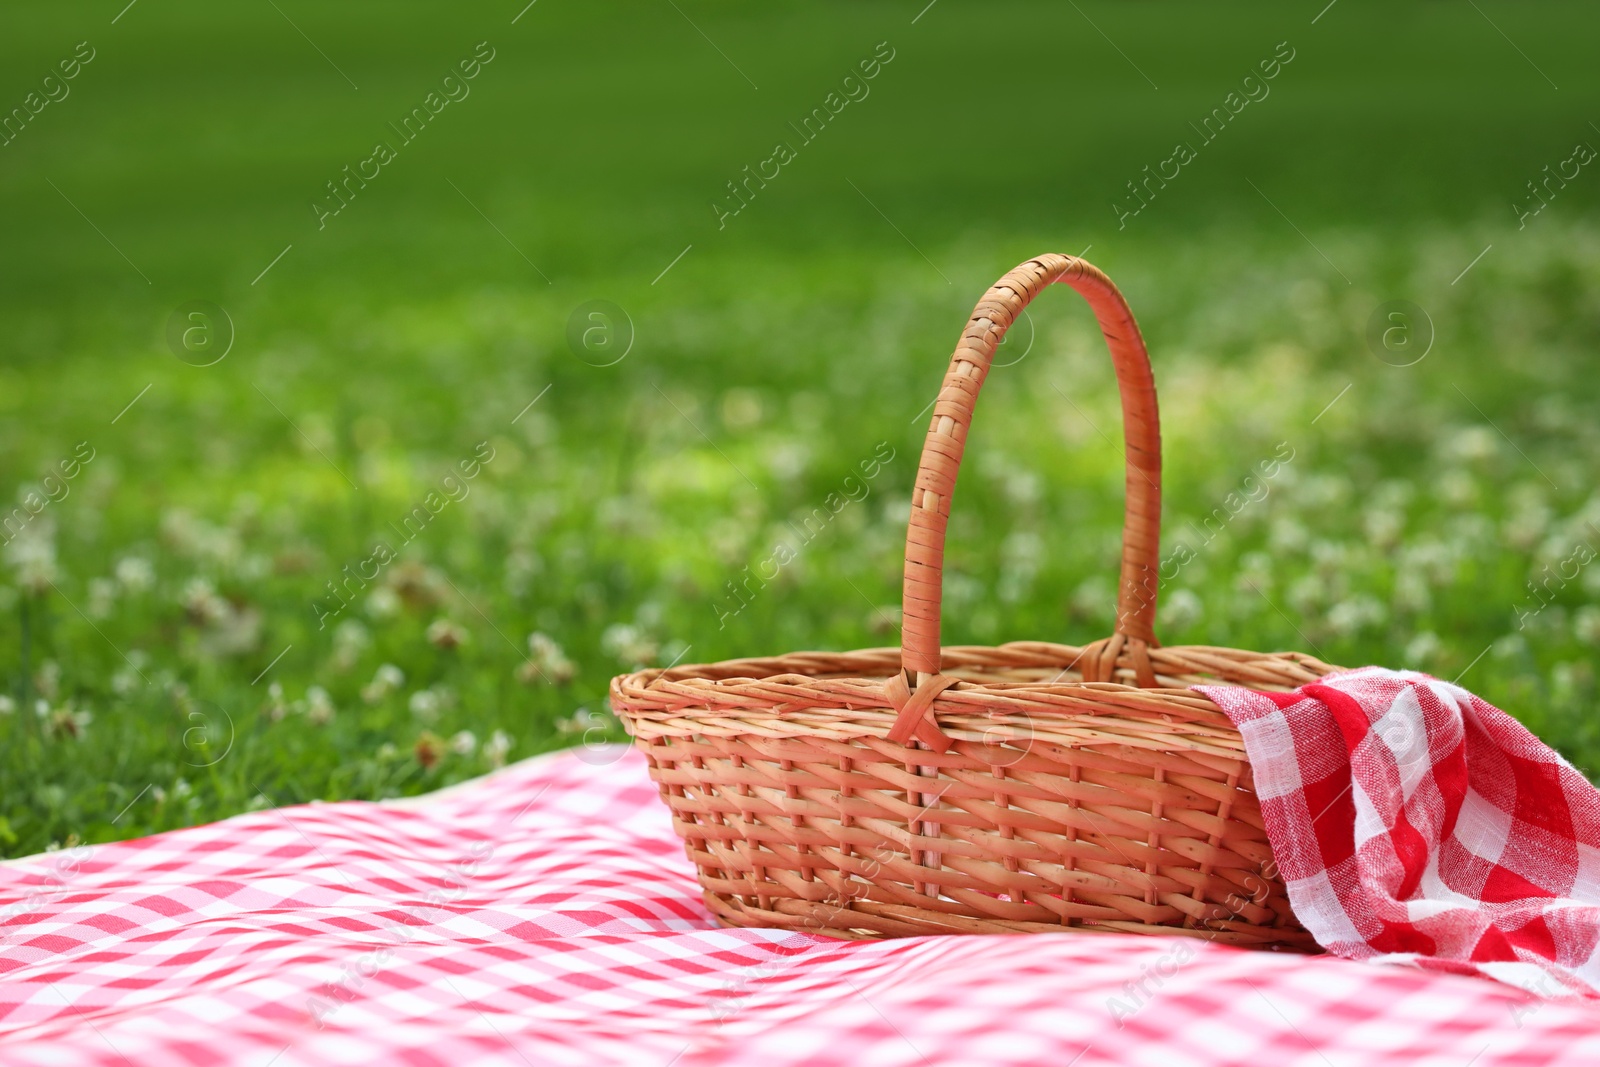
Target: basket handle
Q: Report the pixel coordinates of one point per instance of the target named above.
(947, 435)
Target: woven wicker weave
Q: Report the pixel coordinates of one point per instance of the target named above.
(1031, 786)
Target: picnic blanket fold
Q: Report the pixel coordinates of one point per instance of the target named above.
(1414, 822)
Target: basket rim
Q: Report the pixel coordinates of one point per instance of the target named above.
(880, 662)
(857, 680)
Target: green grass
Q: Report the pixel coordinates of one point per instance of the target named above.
(774, 357)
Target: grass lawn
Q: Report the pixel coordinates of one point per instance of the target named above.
(424, 507)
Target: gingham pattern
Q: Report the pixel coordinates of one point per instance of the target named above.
(1414, 822)
(547, 915)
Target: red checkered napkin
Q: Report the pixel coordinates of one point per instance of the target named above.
(1414, 822)
(546, 915)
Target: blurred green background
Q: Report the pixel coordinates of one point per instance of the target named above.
(160, 647)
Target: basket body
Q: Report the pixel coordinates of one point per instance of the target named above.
(925, 790)
(1060, 803)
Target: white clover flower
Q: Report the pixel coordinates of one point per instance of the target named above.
(1591, 580)
(962, 591)
(102, 597)
(1287, 535)
(1527, 526)
(497, 748)
(386, 680)
(1093, 596)
(424, 704)
(1458, 488)
(277, 707)
(1422, 649)
(1567, 678)
(124, 681)
(445, 634)
(788, 459)
(1511, 646)
(47, 679)
(194, 537)
(622, 514)
(1411, 592)
(178, 529)
(237, 631)
(582, 721)
(66, 721)
(200, 600)
(1586, 625)
(1394, 493)
(7, 705)
(1021, 554)
(418, 584)
(350, 638)
(428, 750)
(32, 556)
(351, 634)
(728, 539)
(1252, 584)
(522, 566)
(1022, 488)
(1350, 616)
(1383, 526)
(548, 663)
(1473, 443)
(629, 644)
(1329, 556)
(1180, 610)
(1257, 564)
(1307, 594)
(1326, 490)
(383, 603)
(135, 574)
(1433, 559)
(463, 743)
(319, 706)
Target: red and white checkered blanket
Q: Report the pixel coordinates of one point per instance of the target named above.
(547, 915)
(1415, 823)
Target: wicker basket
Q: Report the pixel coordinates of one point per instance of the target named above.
(1027, 787)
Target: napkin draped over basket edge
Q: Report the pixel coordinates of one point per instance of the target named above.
(1414, 822)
